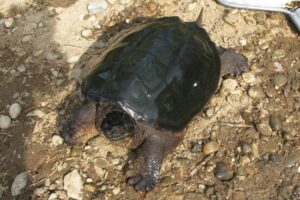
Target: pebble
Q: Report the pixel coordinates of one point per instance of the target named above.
(21, 68)
(9, 22)
(249, 77)
(27, 38)
(275, 159)
(192, 6)
(5, 121)
(73, 185)
(279, 80)
(89, 187)
(15, 110)
(52, 196)
(30, 28)
(210, 147)
(40, 191)
(275, 123)
(57, 140)
(38, 53)
(73, 59)
(256, 92)
(98, 6)
(197, 146)
(222, 172)
(36, 113)
(47, 182)
(264, 129)
(19, 183)
(87, 33)
(116, 190)
(229, 85)
(278, 54)
(246, 148)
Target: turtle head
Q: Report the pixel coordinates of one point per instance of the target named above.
(80, 126)
(117, 125)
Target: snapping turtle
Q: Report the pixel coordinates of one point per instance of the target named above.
(148, 87)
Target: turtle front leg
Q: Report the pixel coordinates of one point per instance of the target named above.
(80, 126)
(150, 155)
(232, 62)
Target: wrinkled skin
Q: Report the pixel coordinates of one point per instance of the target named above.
(151, 143)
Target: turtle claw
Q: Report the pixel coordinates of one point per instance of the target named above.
(142, 183)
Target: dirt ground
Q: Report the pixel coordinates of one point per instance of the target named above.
(252, 121)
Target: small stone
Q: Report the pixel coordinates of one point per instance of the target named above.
(89, 187)
(278, 54)
(54, 73)
(256, 92)
(57, 140)
(27, 38)
(73, 59)
(275, 123)
(40, 191)
(192, 6)
(21, 68)
(264, 129)
(52, 196)
(19, 184)
(9, 22)
(275, 159)
(210, 147)
(73, 185)
(260, 17)
(98, 6)
(249, 77)
(36, 113)
(30, 28)
(229, 85)
(15, 110)
(246, 148)
(166, 181)
(87, 33)
(111, 1)
(279, 80)
(5, 121)
(51, 55)
(116, 190)
(222, 172)
(197, 146)
(38, 53)
(47, 182)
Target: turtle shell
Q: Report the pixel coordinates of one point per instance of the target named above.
(162, 73)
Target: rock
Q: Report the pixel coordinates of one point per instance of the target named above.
(275, 159)
(116, 190)
(52, 55)
(249, 77)
(15, 110)
(192, 6)
(73, 59)
(98, 6)
(5, 121)
(246, 148)
(73, 185)
(30, 28)
(38, 53)
(197, 146)
(52, 196)
(27, 38)
(89, 187)
(57, 140)
(47, 182)
(275, 123)
(21, 68)
(40, 191)
(210, 147)
(111, 1)
(229, 85)
(279, 80)
(264, 129)
(222, 172)
(9, 22)
(87, 33)
(278, 54)
(19, 183)
(36, 113)
(256, 92)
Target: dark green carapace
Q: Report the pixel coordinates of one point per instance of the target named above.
(162, 73)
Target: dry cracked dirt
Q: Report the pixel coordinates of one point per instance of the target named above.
(244, 145)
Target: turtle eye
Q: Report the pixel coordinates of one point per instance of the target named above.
(117, 125)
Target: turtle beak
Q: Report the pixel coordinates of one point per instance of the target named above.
(80, 126)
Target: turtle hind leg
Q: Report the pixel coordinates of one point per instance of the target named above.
(232, 62)
(79, 127)
(150, 154)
